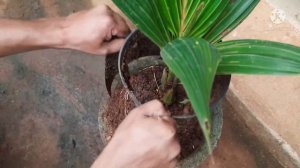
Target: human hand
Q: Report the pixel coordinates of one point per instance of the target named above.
(145, 139)
(98, 31)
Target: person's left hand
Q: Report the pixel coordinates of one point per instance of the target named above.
(98, 31)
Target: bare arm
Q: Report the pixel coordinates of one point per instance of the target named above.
(18, 36)
(89, 31)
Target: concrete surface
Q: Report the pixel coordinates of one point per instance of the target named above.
(290, 8)
(239, 146)
(268, 140)
(48, 110)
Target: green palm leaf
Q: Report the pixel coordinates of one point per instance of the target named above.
(170, 14)
(165, 20)
(212, 11)
(234, 13)
(258, 57)
(145, 16)
(196, 72)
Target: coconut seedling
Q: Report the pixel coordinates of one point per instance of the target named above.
(190, 35)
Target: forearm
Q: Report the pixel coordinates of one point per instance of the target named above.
(20, 36)
(109, 157)
(89, 31)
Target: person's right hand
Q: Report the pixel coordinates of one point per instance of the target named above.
(145, 139)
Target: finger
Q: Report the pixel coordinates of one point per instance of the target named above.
(120, 29)
(174, 150)
(111, 47)
(169, 120)
(153, 109)
(169, 131)
(108, 36)
(173, 164)
(100, 9)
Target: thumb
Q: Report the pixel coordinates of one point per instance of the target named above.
(120, 29)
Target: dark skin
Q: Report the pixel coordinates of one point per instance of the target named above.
(149, 130)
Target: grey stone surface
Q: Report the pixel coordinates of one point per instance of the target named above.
(49, 105)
